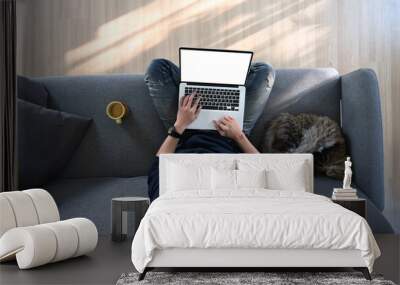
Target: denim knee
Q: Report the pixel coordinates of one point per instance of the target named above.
(159, 70)
(264, 71)
(261, 67)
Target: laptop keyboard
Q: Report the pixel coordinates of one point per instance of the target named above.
(216, 99)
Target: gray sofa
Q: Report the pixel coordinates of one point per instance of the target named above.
(112, 160)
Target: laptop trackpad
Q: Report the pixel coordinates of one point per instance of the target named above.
(206, 119)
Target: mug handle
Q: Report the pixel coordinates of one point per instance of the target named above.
(118, 121)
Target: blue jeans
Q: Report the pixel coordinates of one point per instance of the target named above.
(163, 78)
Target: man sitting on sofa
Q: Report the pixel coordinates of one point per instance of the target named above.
(163, 79)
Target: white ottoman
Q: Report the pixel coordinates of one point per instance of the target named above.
(31, 232)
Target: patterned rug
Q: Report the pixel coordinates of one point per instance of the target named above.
(244, 278)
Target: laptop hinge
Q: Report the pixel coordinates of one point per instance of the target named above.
(212, 84)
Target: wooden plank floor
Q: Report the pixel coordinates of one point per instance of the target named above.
(110, 260)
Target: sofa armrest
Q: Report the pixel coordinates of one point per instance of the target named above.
(362, 127)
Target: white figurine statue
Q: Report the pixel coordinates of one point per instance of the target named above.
(347, 174)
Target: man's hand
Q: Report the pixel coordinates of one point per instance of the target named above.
(229, 127)
(188, 111)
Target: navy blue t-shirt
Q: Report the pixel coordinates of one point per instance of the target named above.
(192, 142)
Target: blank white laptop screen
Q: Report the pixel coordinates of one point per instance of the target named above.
(223, 67)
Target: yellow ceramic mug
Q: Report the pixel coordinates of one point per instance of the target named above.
(116, 110)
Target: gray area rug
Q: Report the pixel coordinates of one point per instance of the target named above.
(243, 278)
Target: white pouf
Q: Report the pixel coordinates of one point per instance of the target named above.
(31, 232)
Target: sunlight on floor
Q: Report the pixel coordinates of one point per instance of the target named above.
(215, 24)
(122, 39)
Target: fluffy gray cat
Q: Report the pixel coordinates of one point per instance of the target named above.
(308, 133)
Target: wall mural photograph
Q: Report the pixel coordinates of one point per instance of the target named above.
(199, 142)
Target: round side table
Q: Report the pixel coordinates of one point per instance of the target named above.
(119, 215)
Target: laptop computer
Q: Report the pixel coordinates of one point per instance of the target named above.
(218, 77)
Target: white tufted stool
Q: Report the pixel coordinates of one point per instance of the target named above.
(31, 230)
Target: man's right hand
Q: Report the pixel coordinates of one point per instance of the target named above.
(229, 127)
(188, 111)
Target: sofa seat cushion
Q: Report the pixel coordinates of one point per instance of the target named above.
(324, 185)
(91, 197)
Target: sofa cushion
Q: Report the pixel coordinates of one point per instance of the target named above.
(46, 141)
(324, 185)
(91, 197)
(32, 91)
